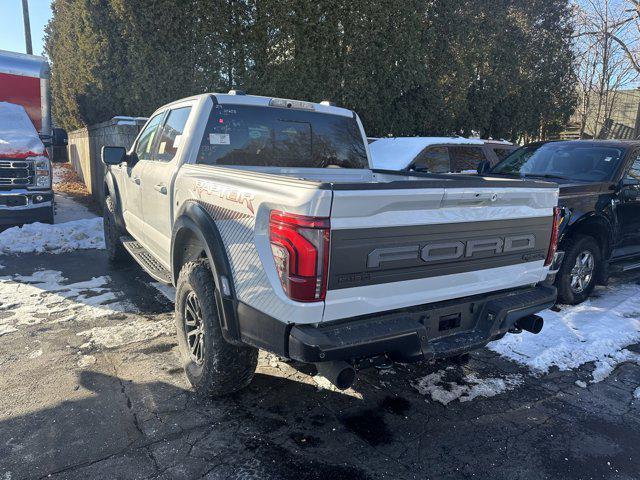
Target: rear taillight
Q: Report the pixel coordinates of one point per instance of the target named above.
(300, 247)
(553, 245)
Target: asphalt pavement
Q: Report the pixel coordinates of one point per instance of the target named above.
(92, 388)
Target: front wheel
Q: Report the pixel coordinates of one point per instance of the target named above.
(213, 366)
(115, 250)
(579, 271)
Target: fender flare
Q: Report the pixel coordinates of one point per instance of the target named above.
(193, 219)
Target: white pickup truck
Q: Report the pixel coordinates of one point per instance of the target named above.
(265, 215)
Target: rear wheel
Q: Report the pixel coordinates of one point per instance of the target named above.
(580, 269)
(115, 250)
(213, 366)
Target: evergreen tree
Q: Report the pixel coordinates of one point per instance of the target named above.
(417, 67)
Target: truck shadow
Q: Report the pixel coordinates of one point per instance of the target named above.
(125, 429)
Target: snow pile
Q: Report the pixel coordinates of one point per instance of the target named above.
(18, 136)
(597, 330)
(445, 386)
(60, 238)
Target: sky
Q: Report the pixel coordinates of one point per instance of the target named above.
(12, 27)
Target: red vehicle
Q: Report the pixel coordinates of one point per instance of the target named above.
(25, 131)
(25, 80)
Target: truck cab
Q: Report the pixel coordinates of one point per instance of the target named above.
(26, 193)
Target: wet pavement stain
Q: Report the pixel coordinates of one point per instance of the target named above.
(396, 405)
(370, 426)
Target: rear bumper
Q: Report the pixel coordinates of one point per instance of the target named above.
(423, 332)
(25, 206)
(426, 332)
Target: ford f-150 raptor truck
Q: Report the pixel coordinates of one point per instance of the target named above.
(265, 215)
(600, 193)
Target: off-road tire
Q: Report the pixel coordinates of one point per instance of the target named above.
(115, 250)
(225, 368)
(572, 248)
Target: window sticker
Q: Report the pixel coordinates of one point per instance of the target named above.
(258, 132)
(176, 141)
(219, 139)
(163, 147)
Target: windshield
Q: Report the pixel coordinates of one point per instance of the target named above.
(281, 137)
(580, 162)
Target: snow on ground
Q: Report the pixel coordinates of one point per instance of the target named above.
(445, 386)
(60, 238)
(45, 296)
(597, 330)
(123, 334)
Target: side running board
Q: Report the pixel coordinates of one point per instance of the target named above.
(624, 266)
(146, 260)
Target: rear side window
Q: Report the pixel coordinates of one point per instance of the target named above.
(434, 160)
(146, 140)
(280, 137)
(465, 158)
(634, 172)
(171, 134)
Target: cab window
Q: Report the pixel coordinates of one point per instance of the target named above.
(281, 137)
(145, 141)
(465, 158)
(171, 134)
(433, 160)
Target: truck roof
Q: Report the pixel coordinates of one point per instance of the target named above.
(25, 65)
(261, 101)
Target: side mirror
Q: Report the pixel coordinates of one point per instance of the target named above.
(483, 167)
(60, 137)
(113, 155)
(629, 188)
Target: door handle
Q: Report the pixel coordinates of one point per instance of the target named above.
(136, 180)
(161, 188)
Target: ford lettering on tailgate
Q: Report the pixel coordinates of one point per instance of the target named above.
(439, 251)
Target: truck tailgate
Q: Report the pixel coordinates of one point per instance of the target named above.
(395, 248)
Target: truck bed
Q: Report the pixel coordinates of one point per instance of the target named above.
(378, 208)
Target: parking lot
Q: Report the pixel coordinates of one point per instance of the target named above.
(92, 383)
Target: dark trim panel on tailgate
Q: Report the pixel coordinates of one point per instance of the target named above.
(372, 256)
